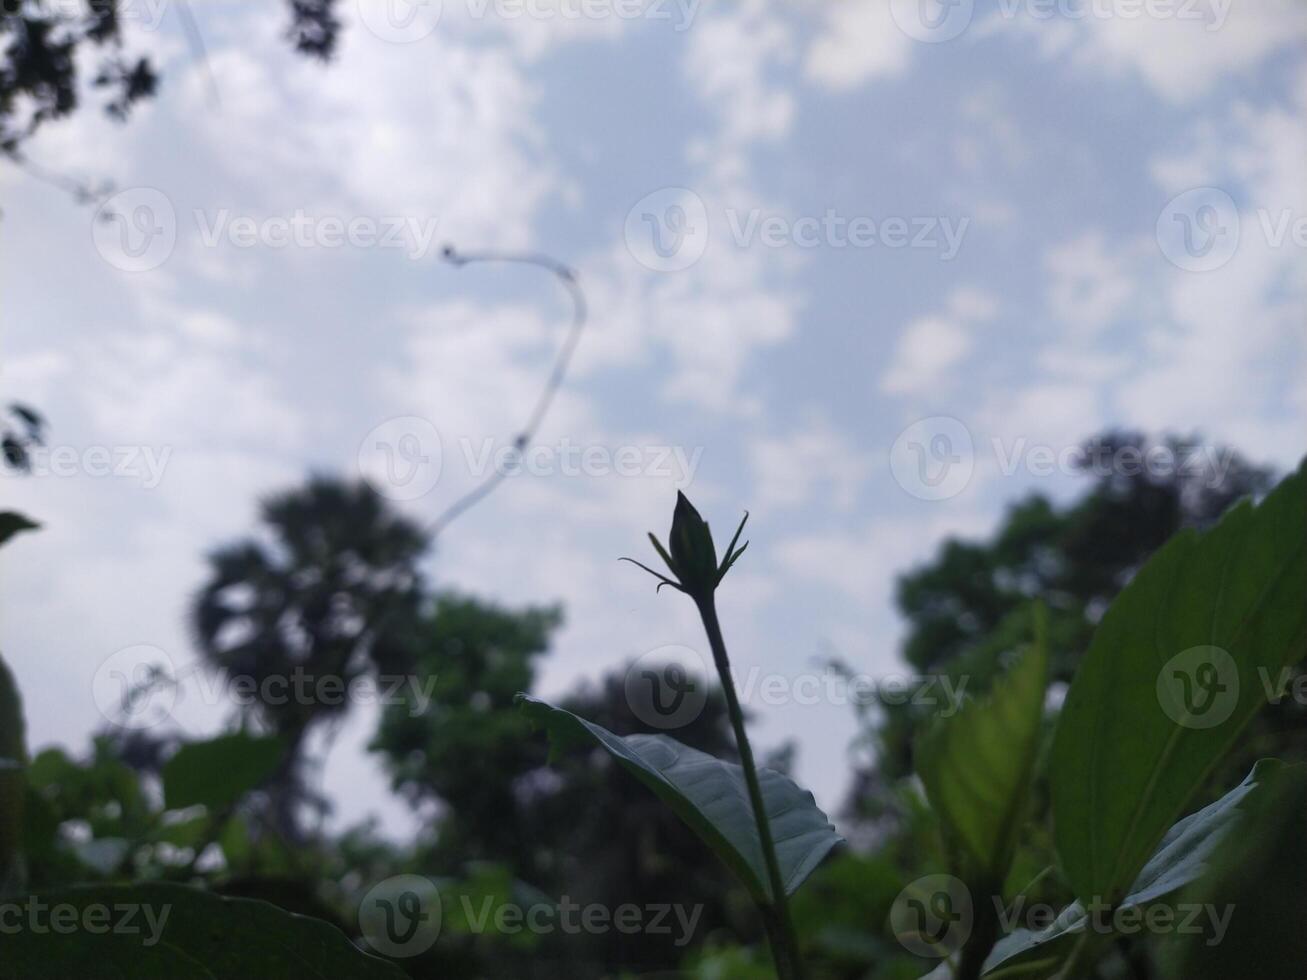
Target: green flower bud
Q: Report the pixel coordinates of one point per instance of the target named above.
(692, 558)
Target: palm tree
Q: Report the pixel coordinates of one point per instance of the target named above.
(326, 591)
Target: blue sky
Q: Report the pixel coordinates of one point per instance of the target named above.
(804, 375)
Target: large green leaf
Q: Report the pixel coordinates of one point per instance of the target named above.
(1222, 610)
(976, 765)
(13, 778)
(1185, 854)
(180, 933)
(710, 795)
(218, 772)
(1258, 881)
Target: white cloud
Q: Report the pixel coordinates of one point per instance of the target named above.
(1242, 321)
(858, 41)
(1057, 412)
(733, 54)
(438, 129)
(1089, 283)
(928, 347)
(932, 345)
(862, 563)
(793, 469)
(992, 137)
(1183, 55)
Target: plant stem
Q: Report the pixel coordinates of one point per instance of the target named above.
(984, 934)
(776, 917)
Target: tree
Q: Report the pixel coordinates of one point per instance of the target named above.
(329, 591)
(479, 656)
(43, 43)
(585, 830)
(970, 605)
(24, 430)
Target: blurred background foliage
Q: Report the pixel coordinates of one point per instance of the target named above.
(330, 584)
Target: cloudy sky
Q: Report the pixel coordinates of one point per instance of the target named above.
(862, 268)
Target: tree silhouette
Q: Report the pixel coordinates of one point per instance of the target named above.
(583, 828)
(970, 605)
(328, 591)
(44, 42)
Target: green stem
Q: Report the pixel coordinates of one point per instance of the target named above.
(776, 917)
(984, 934)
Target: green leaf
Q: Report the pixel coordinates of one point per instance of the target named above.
(1184, 856)
(710, 795)
(183, 934)
(1177, 667)
(12, 523)
(13, 779)
(1257, 880)
(218, 772)
(977, 765)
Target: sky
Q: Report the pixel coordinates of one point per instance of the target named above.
(870, 271)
